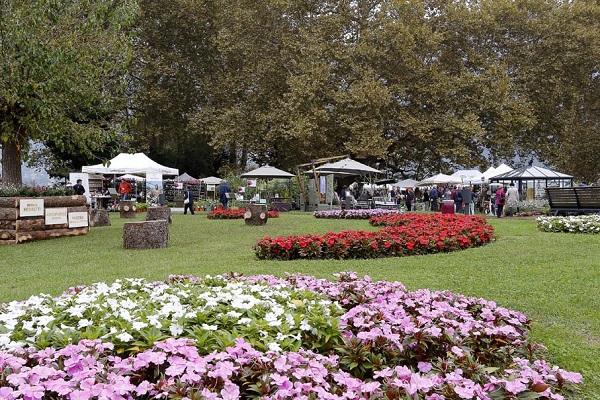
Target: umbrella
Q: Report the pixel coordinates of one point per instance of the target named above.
(267, 172)
(406, 183)
(441, 179)
(469, 176)
(212, 180)
(347, 166)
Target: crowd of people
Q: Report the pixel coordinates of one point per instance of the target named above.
(465, 199)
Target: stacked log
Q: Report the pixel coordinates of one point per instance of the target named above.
(127, 208)
(146, 234)
(256, 214)
(17, 228)
(156, 213)
(99, 217)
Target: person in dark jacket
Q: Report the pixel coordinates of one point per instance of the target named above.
(188, 200)
(410, 199)
(78, 188)
(223, 193)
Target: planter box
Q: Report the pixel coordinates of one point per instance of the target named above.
(24, 219)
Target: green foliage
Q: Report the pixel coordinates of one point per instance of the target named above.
(286, 82)
(62, 75)
(7, 190)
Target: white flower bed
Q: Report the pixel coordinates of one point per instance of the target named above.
(572, 224)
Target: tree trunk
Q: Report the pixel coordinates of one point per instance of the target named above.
(11, 162)
(99, 217)
(127, 208)
(154, 213)
(146, 234)
(50, 234)
(256, 214)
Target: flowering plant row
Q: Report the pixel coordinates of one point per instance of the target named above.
(572, 224)
(235, 337)
(404, 234)
(354, 214)
(238, 213)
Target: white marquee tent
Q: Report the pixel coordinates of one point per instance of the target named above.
(126, 163)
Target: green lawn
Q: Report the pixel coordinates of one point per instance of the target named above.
(553, 278)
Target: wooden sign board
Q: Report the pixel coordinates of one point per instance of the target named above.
(56, 216)
(31, 207)
(78, 219)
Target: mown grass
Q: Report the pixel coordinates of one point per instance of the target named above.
(553, 278)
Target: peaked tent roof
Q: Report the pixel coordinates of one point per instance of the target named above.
(531, 172)
(491, 171)
(267, 172)
(439, 179)
(347, 166)
(126, 163)
(185, 177)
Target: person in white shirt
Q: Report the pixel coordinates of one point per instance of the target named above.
(512, 198)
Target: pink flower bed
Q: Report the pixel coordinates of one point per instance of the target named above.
(392, 344)
(404, 234)
(229, 213)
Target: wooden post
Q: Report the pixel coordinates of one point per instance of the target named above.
(256, 214)
(155, 213)
(99, 217)
(146, 234)
(127, 208)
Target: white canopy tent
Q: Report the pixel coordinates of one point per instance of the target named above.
(491, 172)
(469, 176)
(440, 179)
(126, 163)
(406, 183)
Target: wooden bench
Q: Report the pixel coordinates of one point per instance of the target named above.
(574, 199)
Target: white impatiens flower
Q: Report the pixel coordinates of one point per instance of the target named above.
(83, 323)
(176, 330)
(174, 308)
(124, 337)
(207, 327)
(275, 347)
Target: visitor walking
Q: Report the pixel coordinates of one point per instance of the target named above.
(224, 191)
(188, 200)
(500, 201)
(433, 198)
(512, 198)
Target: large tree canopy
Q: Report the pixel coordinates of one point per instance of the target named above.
(63, 69)
(431, 84)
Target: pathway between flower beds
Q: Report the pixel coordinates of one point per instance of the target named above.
(402, 235)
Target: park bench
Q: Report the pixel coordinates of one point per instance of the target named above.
(574, 199)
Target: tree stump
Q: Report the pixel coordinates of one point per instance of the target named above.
(99, 217)
(154, 213)
(256, 214)
(146, 234)
(127, 208)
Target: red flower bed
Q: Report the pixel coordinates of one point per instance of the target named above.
(404, 234)
(221, 213)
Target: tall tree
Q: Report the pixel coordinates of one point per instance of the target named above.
(62, 75)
